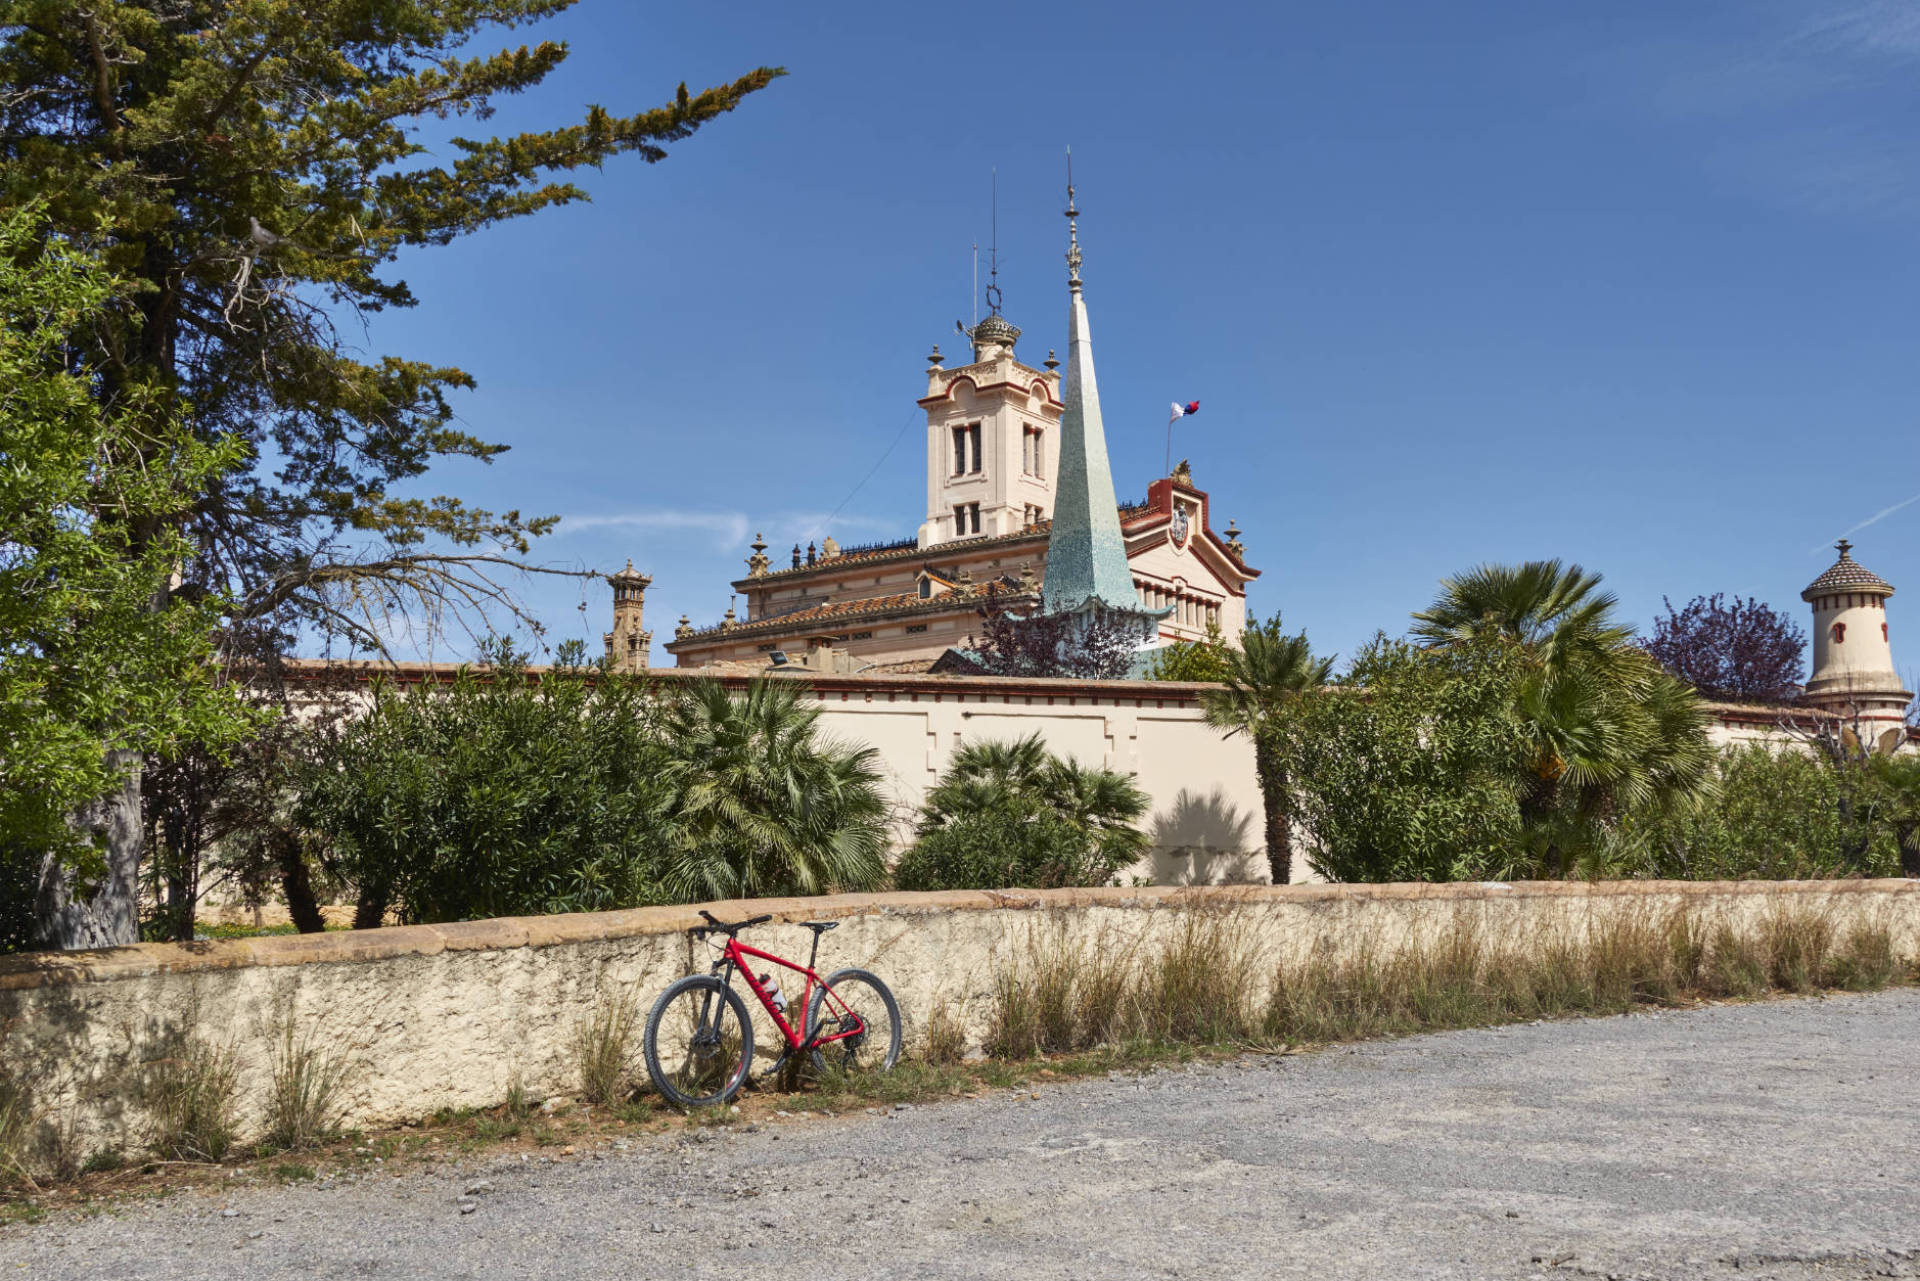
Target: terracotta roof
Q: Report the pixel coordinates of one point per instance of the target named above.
(910, 549)
(842, 611)
(1847, 575)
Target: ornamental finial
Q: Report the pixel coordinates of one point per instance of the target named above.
(1073, 230)
(1843, 547)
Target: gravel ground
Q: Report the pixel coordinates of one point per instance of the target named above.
(1775, 1140)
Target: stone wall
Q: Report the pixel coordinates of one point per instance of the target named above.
(452, 1015)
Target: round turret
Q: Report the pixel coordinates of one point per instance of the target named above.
(1853, 672)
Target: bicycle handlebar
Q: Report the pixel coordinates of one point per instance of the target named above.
(716, 926)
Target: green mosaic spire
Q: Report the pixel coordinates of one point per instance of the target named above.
(1086, 557)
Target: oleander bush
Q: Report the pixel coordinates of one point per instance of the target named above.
(581, 790)
(1772, 815)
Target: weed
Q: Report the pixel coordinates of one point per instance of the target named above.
(190, 1097)
(1864, 960)
(304, 1105)
(635, 1111)
(946, 1036)
(16, 1126)
(489, 1129)
(519, 1107)
(294, 1172)
(104, 1161)
(1796, 944)
(1736, 964)
(603, 1046)
(1192, 991)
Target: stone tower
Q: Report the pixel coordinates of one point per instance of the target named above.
(1853, 674)
(991, 425)
(629, 643)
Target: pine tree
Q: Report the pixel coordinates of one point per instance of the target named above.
(251, 166)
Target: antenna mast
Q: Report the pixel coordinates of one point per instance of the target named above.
(993, 260)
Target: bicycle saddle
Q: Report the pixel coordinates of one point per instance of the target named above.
(819, 927)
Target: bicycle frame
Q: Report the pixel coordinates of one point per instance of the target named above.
(734, 956)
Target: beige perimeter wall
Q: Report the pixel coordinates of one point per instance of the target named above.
(451, 1015)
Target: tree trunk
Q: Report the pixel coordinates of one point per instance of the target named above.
(370, 909)
(1279, 813)
(297, 884)
(100, 909)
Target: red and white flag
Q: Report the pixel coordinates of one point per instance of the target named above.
(1180, 411)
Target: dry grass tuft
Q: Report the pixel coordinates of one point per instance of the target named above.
(305, 1103)
(190, 1098)
(16, 1129)
(945, 1042)
(603, 1048)
(1198, 985)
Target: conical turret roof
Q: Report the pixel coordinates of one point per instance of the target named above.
(1847, 575)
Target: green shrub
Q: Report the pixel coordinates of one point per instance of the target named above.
(497, 795)
(1407, 771)
(1775, 815)
(1013, 814)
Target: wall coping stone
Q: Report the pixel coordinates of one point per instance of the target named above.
(106, 965)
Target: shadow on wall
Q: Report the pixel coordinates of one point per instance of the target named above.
(1206, 840)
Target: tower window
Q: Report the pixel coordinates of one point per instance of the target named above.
(1839, 633)
(959, 450)
(973, 441)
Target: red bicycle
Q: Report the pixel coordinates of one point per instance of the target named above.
(699, 1039)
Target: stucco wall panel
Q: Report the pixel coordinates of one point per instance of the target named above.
(455, 1024)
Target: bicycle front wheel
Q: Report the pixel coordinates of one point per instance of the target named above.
(859, 1021)
(699, 1042)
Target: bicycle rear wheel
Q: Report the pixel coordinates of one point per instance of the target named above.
(851, 999)
(699, 1042)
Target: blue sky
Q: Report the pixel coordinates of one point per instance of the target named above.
(1631, 284)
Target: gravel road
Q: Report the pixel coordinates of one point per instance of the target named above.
(1775, 1140)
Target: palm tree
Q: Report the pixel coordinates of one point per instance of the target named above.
(1557, 612)
(1016, 775)
(1263, 676)
(1897, 780)
(1607, 727)
(760, 804)
(1076, 824)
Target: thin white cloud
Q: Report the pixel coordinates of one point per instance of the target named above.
(1878, 516)
(730, 527)
(1876, 29)
(1793, 101)
(733, 528)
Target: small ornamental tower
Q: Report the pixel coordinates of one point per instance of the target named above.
(629, 643)
(1853, 674)
(991, 428)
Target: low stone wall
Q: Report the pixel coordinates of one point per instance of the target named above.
(452, 1015)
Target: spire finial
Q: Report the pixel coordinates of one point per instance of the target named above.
(1073, 230)
(1843, 547)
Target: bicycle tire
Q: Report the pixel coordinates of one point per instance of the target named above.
(732, 1076)
(887, 1040)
